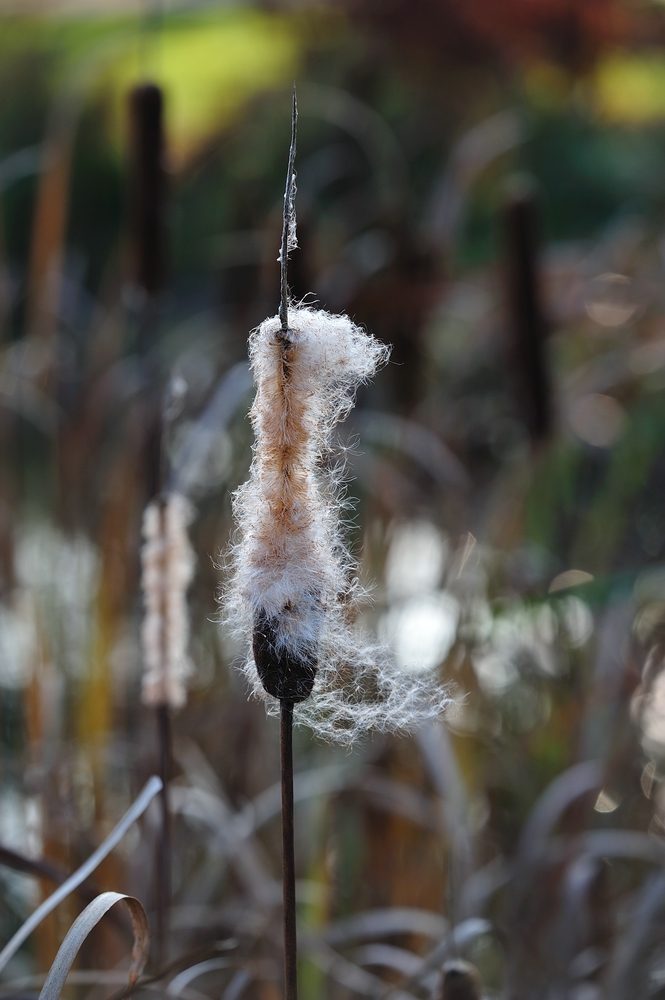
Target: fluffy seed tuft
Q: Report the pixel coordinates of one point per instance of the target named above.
(295, 587)
(167, 564)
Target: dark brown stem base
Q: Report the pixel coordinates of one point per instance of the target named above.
(164, 846)
(288, 854)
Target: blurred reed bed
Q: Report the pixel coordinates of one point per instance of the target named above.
(520, 557)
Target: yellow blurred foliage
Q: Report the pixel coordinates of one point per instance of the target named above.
(208, 67)
(630, 89)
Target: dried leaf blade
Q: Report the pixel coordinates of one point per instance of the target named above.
(151, 788)
(79, 931)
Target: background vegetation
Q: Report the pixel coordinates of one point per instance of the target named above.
(522, 558)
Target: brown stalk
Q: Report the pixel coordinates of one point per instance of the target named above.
(286, 714)
(164, 846)
(148, 204)
(527, 319)
(288, 853)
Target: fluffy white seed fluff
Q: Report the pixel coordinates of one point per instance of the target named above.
(167, 564)
(291, 561)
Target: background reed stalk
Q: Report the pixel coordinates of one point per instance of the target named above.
(527, 322)
(149, 234)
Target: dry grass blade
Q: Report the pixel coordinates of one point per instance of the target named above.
(244, 854)
(187, 976)
(481, 885)
(151, 789)
(472, 154)
(631, 974)
(189, 461)
(318, 781)
(463, 935)
(45, 869)
(388, 956)
(630, 844)
(391, 920)
(442, 766)
(369, 129)
(79, 931)
(31, 866)
(237, 985)
(577, 781)
(79, 977)
(350, 975)
(421, 444)
(183, 962)
(570, 930)
(403, 800)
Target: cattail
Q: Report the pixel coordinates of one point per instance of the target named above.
(295, 583)
(167, 562)
(295, 586)
(292, 563)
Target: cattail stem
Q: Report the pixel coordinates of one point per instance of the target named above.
(148, 219)
(163, 872)
(527, 320)
(148, 187)
(163, 715)
(163, 718)
(288, 854)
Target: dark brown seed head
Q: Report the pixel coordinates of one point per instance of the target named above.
(461, 981)
(284, 675)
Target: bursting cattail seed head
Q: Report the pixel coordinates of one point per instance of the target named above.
(294, 585)
(292, 560)
(167, 568)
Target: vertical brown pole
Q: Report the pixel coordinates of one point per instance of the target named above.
(164, 845)
(148, 222)
(288, 854)
(286, 714)
(528, 326)
(148, 194)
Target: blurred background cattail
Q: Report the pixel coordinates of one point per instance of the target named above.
(461, 981)
(166, 561)
(167, 568)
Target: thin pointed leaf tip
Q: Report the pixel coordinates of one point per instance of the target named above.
(289, 233)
